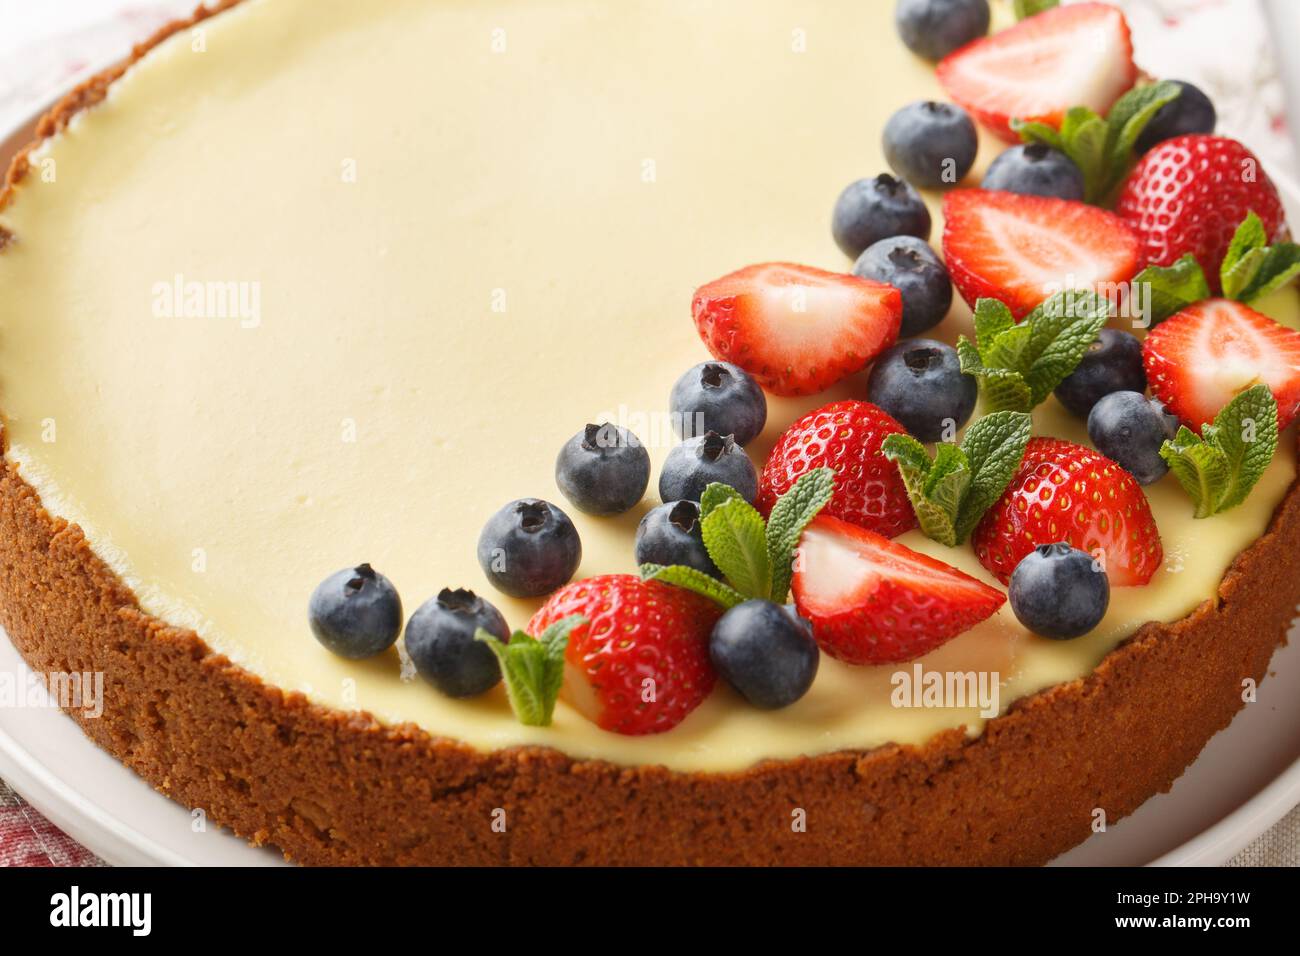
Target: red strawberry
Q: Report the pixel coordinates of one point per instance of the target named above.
(796, 329)
(1190, 193)
(636, 631)
(844, 437)
(1021, 249)
(1078, 55)
(1065, 492)
(1198, 360)
(873, 601)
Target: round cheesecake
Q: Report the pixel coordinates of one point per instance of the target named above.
(305, 285)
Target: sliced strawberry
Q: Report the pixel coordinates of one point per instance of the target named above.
(1022, 249)
(1198, 360)
(1077, 55)
(874, 601)
(797, 329)
(1066, 492)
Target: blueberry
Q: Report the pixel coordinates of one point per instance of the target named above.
(440, 640)
(670, 534)
(914, 269)
(934, 28)
(697, 462)
(603, 470)
(931, 145)
(1190, 112)
(766, 652)
(529, 548)
(1059, 592)
(1033, 169)
(356, 612)
(873, 209)
(920, 383)
(1129, 428)
(1112, 363)
(719, 397)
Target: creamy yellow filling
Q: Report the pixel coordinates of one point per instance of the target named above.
(329, 282)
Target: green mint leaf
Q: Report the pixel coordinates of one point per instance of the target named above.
(994, 447)
(937, 517)
(1125, 123)
(533, 668)
(1281, 265)
(1200, 468)
(1062, 329)
(703, 584)
(1245, 255)
(1002, 390)
(1027, 8)
(785, 525)
(1163, 290)
(992, 318)
(1032, 132)
(736, 539)
(1085, 135)
(715, 494)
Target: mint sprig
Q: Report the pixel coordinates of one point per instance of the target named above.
(533, 668)
(951, 492)
(1170, 289)
(1102, 148)
(1018, 366)
(1219, 467)
(1029, 8)
(756, 557)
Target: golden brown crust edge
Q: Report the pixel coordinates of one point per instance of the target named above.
(331, 787)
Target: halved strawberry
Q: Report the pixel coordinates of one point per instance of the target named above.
(797, 329)
(1076, 55)
(1022, 249)
(1198, 360)
(874, 601)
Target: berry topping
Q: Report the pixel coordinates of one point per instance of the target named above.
(1033, 169)
(1021, 249)
(440, 638)
(869, 210)
(874, 601)
(1112, 363)
(670, 534)
(529, 548)
(846, 438)
(934, 28)
(1190, 112)
(603, 470)
(718, 397)
(916, 271)
(766, 652)
(1076, 55)
(931, 145)
(355, 613)
(1059, 592)
(698, 462)
(1065, 492)
(921, 384)
(1130, 429)
(640, 661)
(796, 329)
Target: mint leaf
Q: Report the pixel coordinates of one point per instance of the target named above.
(994, 447)
(785, 525)
(1125, 123)
(681, 576)
(1027, 8)
(736, 539)
(1201, 469)
(1169, 289)
(1280, 266)
(937, 518)
(715, 494)
(533, 668)
(992, 318)
(1251, 267)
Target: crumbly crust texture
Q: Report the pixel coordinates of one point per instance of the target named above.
(333, 787)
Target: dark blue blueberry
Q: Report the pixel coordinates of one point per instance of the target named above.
(1113, 363)
(697, 462)
(440, 640)
(670, 534)
(766, 652)
(914, 269)
(920, 383)
(873, 209)
(934, 28)
(718, 397)
(356, 612)
(603, 470)
(1033, 169)
(931, 145)
(1059, 592)
(529, 548)
(1129, 428)
(1191, 112)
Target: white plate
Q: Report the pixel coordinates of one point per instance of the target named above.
(1245, 780)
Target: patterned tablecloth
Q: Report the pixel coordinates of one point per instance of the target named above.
(43, 45)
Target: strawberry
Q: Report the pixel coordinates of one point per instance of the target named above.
(796, 329)
(1190, 193)
(874, 601)
(1198, 360)
(1065, 492)
(642, 638)
(1078, 55)
(1021, 249)
(845, 437)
